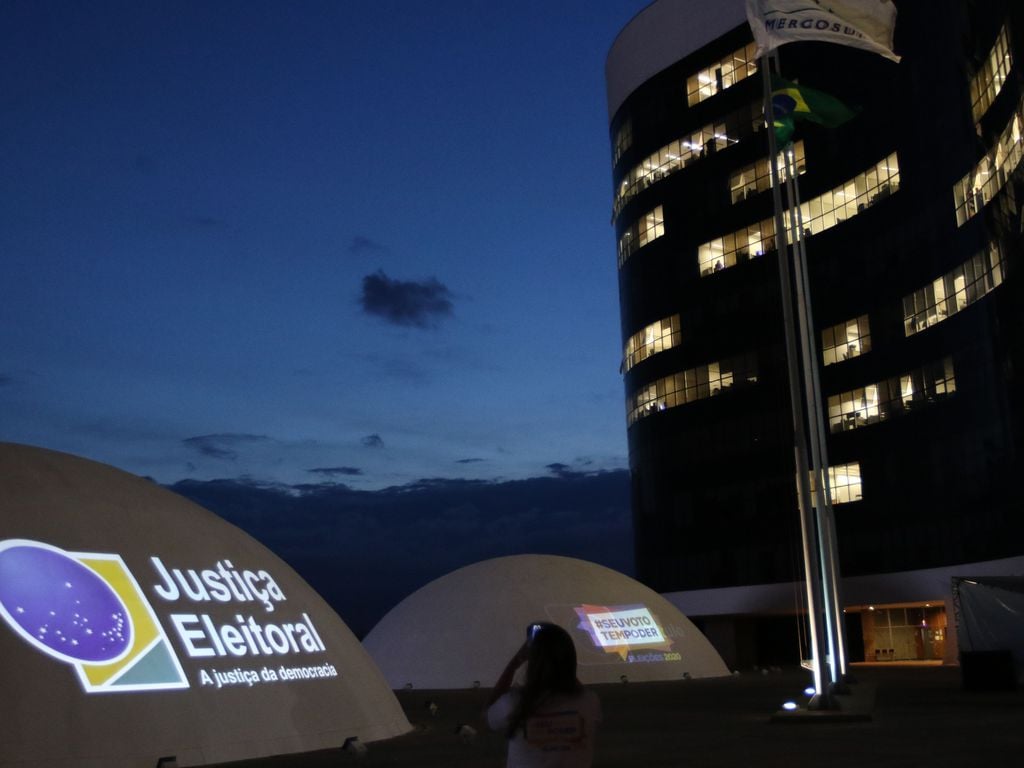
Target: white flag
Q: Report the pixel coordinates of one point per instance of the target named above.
(866, 24)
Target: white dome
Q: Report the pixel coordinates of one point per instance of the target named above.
(135, 624)
(461, 629)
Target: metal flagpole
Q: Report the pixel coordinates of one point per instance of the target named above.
(819, 460)
(822, 698)
(828, 544)
(877, 37)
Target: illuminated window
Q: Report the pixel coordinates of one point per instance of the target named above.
(845, 201)
(821, 213)
(731, 249)
(843, 483)
(954, 291)
(977, 189)
(623, 140)
(655, 338)
(986, 84)
(757, 177)
(694, 384)
(892, 397)
(650, 227)
(846, 340)
(722, 74)
(681, 152)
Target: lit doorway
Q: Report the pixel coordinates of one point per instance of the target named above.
(904, 632)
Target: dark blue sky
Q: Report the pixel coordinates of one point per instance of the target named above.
(362, 243)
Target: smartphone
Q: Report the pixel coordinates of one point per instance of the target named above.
(531, 632)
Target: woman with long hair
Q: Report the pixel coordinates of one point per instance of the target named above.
(550, 720)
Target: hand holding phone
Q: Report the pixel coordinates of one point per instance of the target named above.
(531, 632)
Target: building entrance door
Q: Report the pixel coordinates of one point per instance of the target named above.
(904, 632)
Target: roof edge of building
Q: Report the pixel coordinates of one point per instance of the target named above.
(660, 35)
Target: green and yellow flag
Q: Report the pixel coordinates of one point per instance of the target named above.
(792, 102)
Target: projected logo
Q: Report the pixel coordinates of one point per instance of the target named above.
(621, 629)
(86, 610)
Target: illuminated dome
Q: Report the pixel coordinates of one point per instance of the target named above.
(135, 625)
(460, 630)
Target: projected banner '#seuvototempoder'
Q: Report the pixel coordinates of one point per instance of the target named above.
(86, 610)
(622, 629)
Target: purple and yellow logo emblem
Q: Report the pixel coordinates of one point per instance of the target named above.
(86, 610)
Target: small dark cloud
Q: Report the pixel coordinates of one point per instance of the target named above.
(361, 244)
(206, 222)
(222, 446)
(580, 467)
(336, 471)
(468, 461)
(406, 302)
(561, 470)
(373, 441)
(5, 381)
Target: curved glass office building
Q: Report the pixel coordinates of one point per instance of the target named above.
(912, 220)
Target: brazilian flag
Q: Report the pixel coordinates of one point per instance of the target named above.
(792, 102)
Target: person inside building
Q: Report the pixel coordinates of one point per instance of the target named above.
(550, 720)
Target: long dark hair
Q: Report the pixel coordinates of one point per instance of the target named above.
(550, 668)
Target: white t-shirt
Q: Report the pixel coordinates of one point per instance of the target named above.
(560, 734)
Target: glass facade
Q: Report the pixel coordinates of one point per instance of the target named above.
(691, 385)
(623, 140)
(755, 178)
(818, 214)
(986, 179)
(846, 340)
(655, 338)
(988, 81)
(874, 403)
(650, 227)
(954, 291)
(843, 483)
(925, 417)
(721, 75)
(688, 149)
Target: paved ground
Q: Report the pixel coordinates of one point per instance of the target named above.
(919, 716)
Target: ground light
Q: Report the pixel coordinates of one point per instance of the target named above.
(789, 706)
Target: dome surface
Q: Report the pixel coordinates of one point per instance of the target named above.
(460, 630)
(135, 624)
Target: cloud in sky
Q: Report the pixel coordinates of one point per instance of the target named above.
(373, 441)
(578, 468)
(222, 446)
(336, 471)
(560, 470)
(365, 551)
(406, 302)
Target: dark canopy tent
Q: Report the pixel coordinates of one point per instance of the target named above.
(990, 625)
